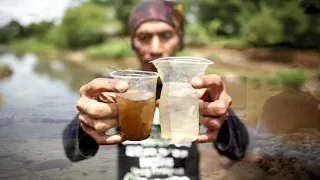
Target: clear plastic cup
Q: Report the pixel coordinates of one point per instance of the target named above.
(179, 109)
(136, 106)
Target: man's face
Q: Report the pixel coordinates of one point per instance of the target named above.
(155, 39)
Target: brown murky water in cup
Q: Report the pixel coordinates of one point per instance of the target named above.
(135, 116)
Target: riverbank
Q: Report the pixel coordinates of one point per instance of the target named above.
(260, 66)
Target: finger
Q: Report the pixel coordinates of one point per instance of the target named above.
(97, 109)
(201, 93)
(98, 85)
(107, 97)
(226, 97)
(219, 93)
(158, 102)
(213, 123)
(209, 136)
(206, 81)
(100, 125)
(216, 108)
(101, 138)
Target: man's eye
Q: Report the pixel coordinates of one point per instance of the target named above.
(144, 37)
(166, 35)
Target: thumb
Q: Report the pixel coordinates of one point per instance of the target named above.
(158, 102)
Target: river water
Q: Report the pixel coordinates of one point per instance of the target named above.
(38, 101)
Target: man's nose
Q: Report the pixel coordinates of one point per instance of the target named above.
(156, 47)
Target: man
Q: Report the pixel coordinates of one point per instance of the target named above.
(156, 28)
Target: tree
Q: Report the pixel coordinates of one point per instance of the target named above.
(37, 30)
(10, 31)
(122, 9)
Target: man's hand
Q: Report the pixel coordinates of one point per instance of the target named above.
(97, 117)
(213, 105)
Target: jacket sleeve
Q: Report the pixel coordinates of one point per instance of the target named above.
(76, 143)
(233, 138)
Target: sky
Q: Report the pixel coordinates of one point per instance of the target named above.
(29, 11)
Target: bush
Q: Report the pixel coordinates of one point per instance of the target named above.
(10, 31)
(286, 78)
(82, 26)
(57, 37)
(183, 53)
(263, 29)
(33, 46)
(274, 22)
(291, 77)
(114, 48)
(196, 35)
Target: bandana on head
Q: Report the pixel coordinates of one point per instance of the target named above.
(160, 10)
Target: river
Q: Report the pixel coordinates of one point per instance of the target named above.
(39, 101)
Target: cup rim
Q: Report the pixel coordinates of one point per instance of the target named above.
(184, 60)
(148, 74)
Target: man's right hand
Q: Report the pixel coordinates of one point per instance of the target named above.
(98, 109)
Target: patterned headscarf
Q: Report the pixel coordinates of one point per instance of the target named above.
(160, 10)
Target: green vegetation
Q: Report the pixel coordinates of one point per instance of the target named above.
(214, 71)
(114, 48)
(183, 53)
(283, 77)
(291, 77)
(252, 23)
(286, 78)
(34, 46)
(81, 26)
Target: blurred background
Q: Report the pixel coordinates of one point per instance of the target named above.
(266, 51)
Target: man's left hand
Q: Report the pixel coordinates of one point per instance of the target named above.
(213, 105)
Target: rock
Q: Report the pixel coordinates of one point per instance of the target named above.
(289, 112)
(274, 170)
(5, 71)
(245, 171)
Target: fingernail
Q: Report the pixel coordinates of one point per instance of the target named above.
(121, 87)
(196, 81)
